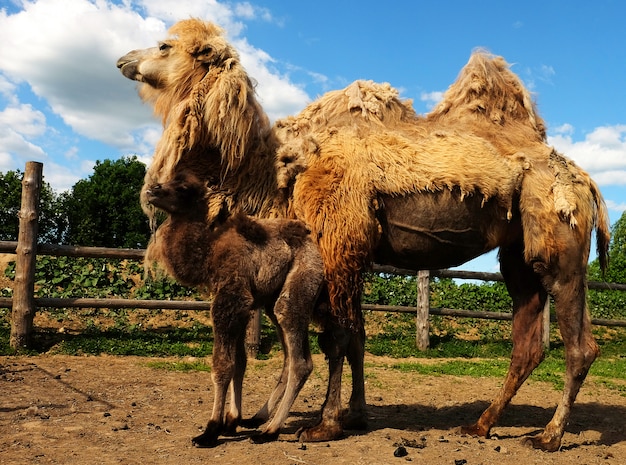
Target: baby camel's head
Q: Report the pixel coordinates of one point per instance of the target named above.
(184, 194)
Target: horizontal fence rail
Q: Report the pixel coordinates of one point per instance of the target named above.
(10, 247)
(24, 304)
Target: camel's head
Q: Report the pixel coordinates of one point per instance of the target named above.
(191, 49)
(184, 194)
(197, 85)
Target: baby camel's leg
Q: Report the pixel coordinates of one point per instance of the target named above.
(233, 417)
(293, 312)
(230, 314)
(264, 412)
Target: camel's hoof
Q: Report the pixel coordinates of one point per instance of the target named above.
(541, 442)
(251, 423)
(262, 438)
(321, 432)
(355, 420)
(205, 440)
(475, 430)
(230, 425)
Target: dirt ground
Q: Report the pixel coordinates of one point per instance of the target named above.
(119, 410)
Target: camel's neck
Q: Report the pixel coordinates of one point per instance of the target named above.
(254, 186)
(185, 248)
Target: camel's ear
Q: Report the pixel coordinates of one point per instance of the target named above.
(216, 52)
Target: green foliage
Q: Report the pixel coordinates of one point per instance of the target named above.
(445, 293)
(104, 210)
(183, 367)
(488, 296)
(52, 222)
(133, 340)
(610, 304)
(10, 198)
(607, 304)
(65, 277)
(387, 289)
(616, 271)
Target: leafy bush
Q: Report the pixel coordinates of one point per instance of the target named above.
(119, 331)
(488, 296)
(65, 277)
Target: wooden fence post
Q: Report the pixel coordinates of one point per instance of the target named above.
(253, 334)
(26, 258)
(423, 308)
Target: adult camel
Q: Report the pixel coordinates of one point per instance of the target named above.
(375, 181)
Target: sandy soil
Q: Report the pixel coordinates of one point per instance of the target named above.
(118, 410)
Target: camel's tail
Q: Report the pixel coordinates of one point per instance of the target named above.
(602, 227)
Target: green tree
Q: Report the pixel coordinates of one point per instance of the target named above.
(52, 222)
(616, 271)
(104, 210)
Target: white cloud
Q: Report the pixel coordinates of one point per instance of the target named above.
(17, 124)
(7, 89)
(431, 98)
(248, 11)
(277, 95)
(23, 119)
(618, 207)
(70, 62)
(602, 153)
(62, 178)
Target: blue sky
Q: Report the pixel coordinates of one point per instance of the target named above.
(64, 103)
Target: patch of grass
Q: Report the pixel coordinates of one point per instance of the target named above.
(195, 342)
(184, 367)
(551, 370)
(613, 386)
(477, 369)
(449, 337)
(609, 367)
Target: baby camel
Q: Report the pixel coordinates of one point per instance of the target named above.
(244, 263)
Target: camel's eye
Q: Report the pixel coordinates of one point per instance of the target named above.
(163, 46)
(205, 51)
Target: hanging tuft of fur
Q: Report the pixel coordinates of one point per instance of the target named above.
(206, 100)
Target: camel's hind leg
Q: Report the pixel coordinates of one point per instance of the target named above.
(298, 367)
(334, 342)
(529, 297)
(292, 314)
(566, 280)
(263, 414)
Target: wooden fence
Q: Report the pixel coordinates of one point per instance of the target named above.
(24, 303)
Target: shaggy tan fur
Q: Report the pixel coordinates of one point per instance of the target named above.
(212, 121)
(487, 91)
(196, 113)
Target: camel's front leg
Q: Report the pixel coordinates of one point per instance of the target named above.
(222, 373)
(356, 417)
(230, 314)
(334, 343)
